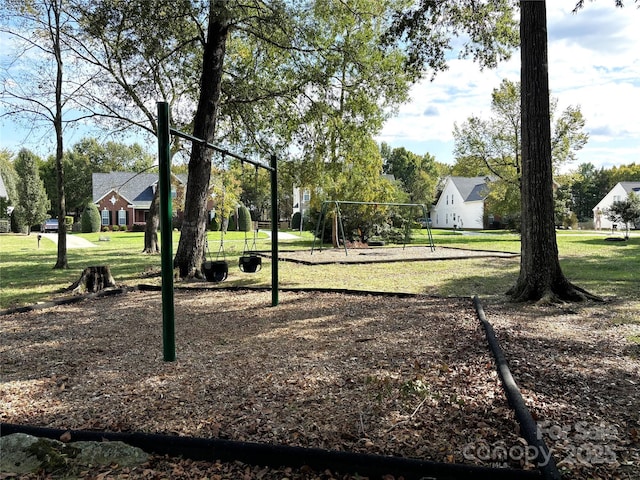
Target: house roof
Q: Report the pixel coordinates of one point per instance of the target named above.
(136, 188)
(472, 189)
(3, 189)
(630, 186)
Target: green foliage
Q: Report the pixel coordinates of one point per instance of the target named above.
(232, 226)
(418, 175)
(295, 221)
(225, 192)
(90, 219)
(10, 179)
(33, 203)
(426, 29)
(244, 219)
(588, 186)
(214, 224)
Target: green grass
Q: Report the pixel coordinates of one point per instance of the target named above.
(604, 268)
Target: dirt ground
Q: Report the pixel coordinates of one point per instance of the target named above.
(386, 254)
(409, 377)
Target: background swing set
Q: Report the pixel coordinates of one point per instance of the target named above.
(166, 212)
(322, 218)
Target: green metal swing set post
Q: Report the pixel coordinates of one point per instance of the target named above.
(164, 182)
(166, 229)
(274, 231)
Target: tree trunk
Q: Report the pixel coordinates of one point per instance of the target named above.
(151, 227)
(61, 261)
(93, 279)
(541, 278)
(192, 236)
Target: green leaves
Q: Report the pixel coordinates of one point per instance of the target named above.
(487, 29)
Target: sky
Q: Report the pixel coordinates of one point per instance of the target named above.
(594, 62)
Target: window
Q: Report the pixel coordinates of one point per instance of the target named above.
(306, 196)
(447, 199)
(452, 201)
(122, 217)
(453, 217)
(446, 219)
(616, 198)
(105, 217)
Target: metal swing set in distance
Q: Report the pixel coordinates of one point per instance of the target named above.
(322, 218)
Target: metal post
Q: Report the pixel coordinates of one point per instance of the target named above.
(166, 232)
(274, 231)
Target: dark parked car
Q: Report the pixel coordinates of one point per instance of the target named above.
(50, 225)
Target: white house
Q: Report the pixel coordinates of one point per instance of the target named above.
(617, 194)
(461, 203)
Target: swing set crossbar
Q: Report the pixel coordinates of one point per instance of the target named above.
(218, 149)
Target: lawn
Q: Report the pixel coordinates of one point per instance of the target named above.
(367, 373)
(605, 268)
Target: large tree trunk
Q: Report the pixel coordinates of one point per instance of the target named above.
(151, 227)
(541, 278)
(192, 236)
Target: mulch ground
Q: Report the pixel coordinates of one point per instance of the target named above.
(410, 377)
(365, 254)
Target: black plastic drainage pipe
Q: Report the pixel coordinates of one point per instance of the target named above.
(528, 427)
(373, 466)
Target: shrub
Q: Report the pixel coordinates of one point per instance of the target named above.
(214, 225)
(124, 228)
(90, 219)
(138, 227)
(232, 226)
(105, 228)
(68, 222)
(244, 219)
(295, 221)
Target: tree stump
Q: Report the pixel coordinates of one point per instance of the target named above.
(93, 279)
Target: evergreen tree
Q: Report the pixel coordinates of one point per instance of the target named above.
(33, 202)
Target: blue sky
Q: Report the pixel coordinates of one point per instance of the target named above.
(594, 62)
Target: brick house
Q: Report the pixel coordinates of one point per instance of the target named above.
(124, 198)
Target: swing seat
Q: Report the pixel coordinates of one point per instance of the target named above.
(250, 263)
(216, 270)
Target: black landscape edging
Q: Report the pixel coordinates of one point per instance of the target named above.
(374, 466)
(238, 288)
(528, 427)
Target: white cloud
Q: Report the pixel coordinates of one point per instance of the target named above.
(594, 62)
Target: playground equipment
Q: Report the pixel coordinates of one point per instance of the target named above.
(250, 261)
(164, 162)
(322, 217)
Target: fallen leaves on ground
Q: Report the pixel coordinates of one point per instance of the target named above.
(410, 377)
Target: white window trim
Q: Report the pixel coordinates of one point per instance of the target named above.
(122, 217)
(104, 219)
